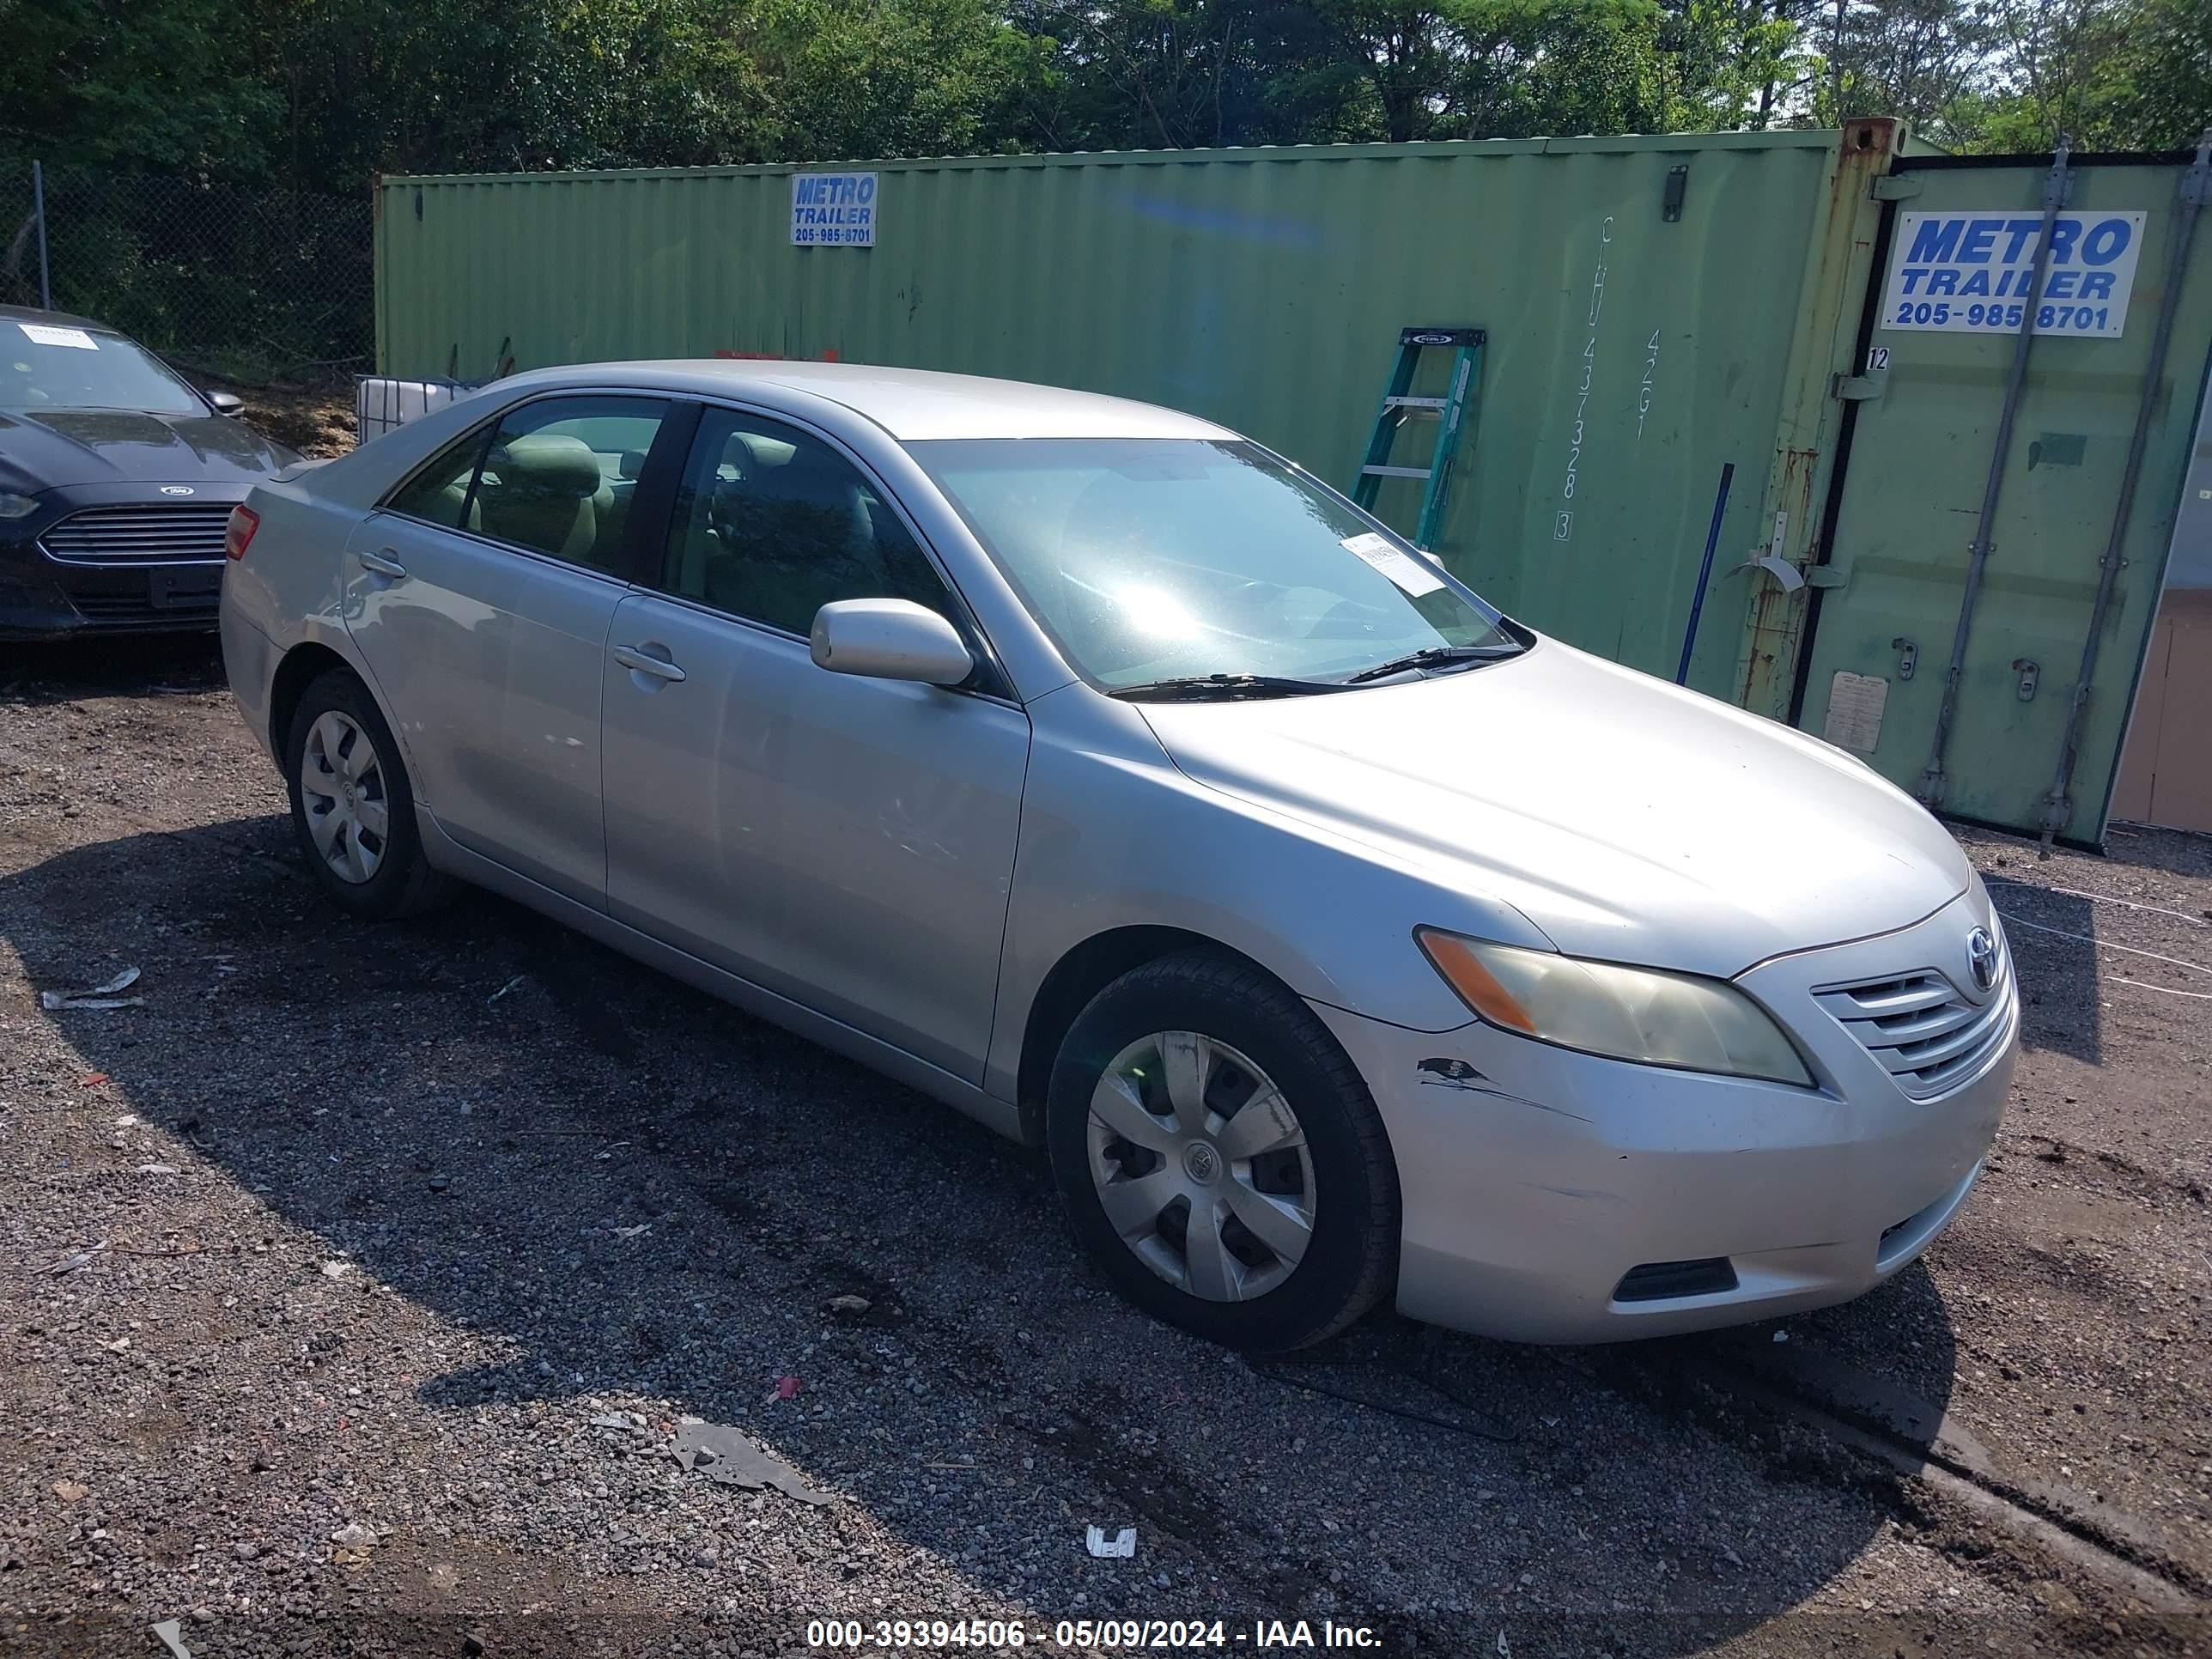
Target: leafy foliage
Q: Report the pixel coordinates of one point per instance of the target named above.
(318, 94)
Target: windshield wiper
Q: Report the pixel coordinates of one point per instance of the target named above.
(1221, 688)
(1434, 656)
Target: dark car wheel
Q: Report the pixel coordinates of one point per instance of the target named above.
(1220, 1158)
(352, 807)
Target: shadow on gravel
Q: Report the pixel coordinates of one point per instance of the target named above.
(115, 664)
(2053, 939)
(604, 1185)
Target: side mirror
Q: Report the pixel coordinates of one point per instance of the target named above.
(890, 640)
(226, 402)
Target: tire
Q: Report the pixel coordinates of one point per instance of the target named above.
(1263, 1291)
(368, 816)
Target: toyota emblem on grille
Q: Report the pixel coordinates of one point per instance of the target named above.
(1982, 958)
(176, 489)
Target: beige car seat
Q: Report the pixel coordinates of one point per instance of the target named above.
(551, 493)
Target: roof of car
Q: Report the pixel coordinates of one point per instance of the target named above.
(920, 404)
(59, 319)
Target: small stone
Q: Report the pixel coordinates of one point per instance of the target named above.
(336, 1269)
(354, 1536)
(472, 1645)
(202, 1615)
(439, 1183)
(849, 1307)
(70, 1491)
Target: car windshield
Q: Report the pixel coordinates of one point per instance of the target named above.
(1160, 561)
(49, 365)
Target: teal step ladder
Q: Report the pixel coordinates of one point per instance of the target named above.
(1399, 405)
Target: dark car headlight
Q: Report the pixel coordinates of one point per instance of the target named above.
(16, 507)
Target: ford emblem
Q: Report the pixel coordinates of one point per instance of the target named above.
(176, 489)
(1982, 958)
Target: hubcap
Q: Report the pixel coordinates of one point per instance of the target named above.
(1201, 1167)
(342, 789)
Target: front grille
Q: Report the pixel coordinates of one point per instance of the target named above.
(1926, 1033)
(140, 607)
(146, 533)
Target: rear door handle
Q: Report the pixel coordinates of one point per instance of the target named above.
(630, 656)
(383, 566)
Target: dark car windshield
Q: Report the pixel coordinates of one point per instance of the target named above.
(1153, 561)
(49, 365)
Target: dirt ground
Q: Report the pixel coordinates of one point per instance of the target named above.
(318, 421)
(354, 1285)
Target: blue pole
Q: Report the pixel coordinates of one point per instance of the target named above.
(1705, 573)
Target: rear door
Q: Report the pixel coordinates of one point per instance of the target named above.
(1939, 349)
(480, 594)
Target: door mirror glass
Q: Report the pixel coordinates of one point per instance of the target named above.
(889, 640)
(226, 402)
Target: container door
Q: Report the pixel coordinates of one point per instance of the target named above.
(1957, 260)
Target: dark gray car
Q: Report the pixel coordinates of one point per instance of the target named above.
(117, 478)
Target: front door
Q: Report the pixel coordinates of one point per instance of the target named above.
(480, 596)
(846, 843)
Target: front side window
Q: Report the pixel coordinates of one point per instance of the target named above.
(1153, 561)
(557, 475)
(771, 525)
(50, 367)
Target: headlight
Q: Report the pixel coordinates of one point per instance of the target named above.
(17, 506)
(1626, 1013)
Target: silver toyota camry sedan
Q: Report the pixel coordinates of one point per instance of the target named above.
(1097, 771)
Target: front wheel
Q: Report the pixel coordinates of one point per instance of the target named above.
(1220, 1156)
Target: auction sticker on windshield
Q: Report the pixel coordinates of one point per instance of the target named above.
(1409, 574)
(1970, 272)
(46, 334)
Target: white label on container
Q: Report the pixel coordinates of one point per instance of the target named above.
(1855, 706)
(1969, 273)
(833, 210)
(1409, 574)
(46, 334)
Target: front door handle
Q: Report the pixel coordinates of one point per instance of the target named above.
(383, 565)
(643, 662)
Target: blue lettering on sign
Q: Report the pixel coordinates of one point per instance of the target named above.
(1946, 267)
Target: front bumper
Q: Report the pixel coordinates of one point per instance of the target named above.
(1535, 1181)
(141, 591)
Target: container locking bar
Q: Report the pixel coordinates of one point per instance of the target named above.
(1934, 781)
(1400, 405)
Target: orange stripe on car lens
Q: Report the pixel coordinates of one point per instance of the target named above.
(1477, 986)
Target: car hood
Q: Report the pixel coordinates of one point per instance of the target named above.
(1629, 820)
(63, 447)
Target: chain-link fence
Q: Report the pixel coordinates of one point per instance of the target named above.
(252, 285)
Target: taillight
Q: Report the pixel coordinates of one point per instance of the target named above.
(244, 521)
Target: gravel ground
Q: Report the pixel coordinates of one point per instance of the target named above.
(357, 1285)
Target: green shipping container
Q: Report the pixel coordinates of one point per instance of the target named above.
(1653, 308)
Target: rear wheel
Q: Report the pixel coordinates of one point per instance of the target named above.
(1220, 1156)
(352, 806)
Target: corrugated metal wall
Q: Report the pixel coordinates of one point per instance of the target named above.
(1630, 353)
